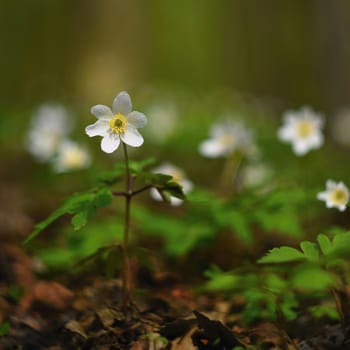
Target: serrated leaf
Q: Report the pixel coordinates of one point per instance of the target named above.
(310, 250)
(77, 203)
(324, 243)
(282, 255)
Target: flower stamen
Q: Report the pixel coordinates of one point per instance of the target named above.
(339, 196)
(304, 129)
(118, 123)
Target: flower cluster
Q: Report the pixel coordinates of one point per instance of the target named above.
(48, 140)
(303, 129)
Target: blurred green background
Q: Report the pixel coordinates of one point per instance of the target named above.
(82, 51)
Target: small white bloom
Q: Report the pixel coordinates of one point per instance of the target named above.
(335, 196)
(225, 138)
(117, 124)
(302, 129)
(49, 126)
(178, 176)
(71, 156)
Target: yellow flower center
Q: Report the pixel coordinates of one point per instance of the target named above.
(226, 139)
(339, 196)
(74, 158)
(118, 123)
(305, 129)
(177, 176)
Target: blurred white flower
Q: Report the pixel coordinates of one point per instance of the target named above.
(302, 129)
(255, 174)
(178, 176)
(71, 156)
(49, 126)
(340, 127)
(335, 196)
(118, 124)
(161, 117)
(227, 137)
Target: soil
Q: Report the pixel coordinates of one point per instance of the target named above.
(86, 312)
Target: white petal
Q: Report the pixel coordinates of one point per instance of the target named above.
(286, 133)
(137, 119)
(331, 185)
(155, 194)
(132, 137)
(101, 112)
(323, 196)
(99, 128)
(187, 185)
(300, 147)
(175, 202)
(342, 207)
(110, 143)
(122, 103)
(211, 148)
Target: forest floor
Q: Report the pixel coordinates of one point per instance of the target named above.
(85, 312)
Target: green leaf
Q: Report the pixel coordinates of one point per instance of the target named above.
(239, 224)
(222, 282)
(281, 255)
(312, 279)
(324, 243)
(81, 205)
(136, 167)
(310, 250)
(112, 176)
(79, 220)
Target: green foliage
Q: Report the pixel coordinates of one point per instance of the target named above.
(206, 214)
(281, 255)
(5, 328)
(324, 310)
(327, 252)
(266, 294)
(77, 245)
(220, 281)
(80, 205)
(179, 236)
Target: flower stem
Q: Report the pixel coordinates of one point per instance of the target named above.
(126, 261)
(229, 173)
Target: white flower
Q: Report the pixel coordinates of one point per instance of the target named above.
(49, 126)
(335, 196)
(178, 176)
(302, 129)
(118, 124)
(71, 156)
(225, 138)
